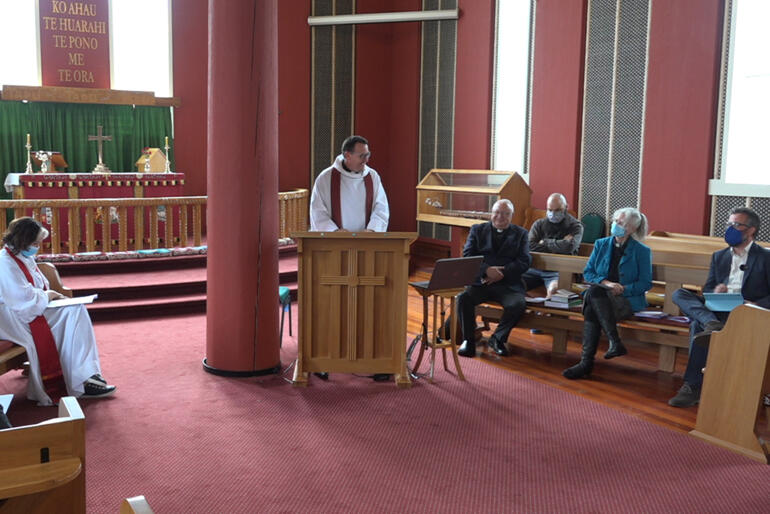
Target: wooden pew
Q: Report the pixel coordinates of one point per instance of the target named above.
(13, 356)
(561, 323)
(42, 467)
(737, 376)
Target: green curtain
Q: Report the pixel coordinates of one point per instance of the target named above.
(65, 128)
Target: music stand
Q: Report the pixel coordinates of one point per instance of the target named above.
(449, 277)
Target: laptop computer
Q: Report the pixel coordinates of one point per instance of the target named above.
(722, 302)
(452, 273)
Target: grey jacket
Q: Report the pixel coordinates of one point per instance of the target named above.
(552, 236)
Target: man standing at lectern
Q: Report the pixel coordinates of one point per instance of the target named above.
(505, 248)
(743, 267)
(349, 195)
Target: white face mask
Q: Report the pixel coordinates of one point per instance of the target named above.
(555, 216)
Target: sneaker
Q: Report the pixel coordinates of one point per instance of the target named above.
(687, 396)
(99, 378)
(97, 388)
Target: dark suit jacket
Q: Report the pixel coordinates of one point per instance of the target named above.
(513, 252)
(756, 276)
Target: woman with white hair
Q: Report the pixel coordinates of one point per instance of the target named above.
(620, 271)
(60, 342)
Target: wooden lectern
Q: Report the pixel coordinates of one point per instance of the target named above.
(352, 303)
(737, 374)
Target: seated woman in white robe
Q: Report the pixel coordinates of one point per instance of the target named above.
(26, 319)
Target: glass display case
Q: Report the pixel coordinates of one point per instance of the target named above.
(465, 197)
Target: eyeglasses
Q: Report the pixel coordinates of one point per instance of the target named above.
(362, 155)
(737, 224)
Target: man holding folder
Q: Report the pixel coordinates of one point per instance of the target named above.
(743, 267)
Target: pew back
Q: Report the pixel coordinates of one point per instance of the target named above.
(42, 467)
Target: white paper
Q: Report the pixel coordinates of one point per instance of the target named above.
(73, 301)
(5, 401)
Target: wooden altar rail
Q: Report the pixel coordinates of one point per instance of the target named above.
(293, 208)
(293, 217)
(77, 209)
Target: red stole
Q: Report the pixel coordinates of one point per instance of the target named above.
(337, 201)
(47, 354)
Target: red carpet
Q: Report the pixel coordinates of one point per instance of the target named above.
(193, 442)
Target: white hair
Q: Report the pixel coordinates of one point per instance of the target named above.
(634, 217)
(504, 201)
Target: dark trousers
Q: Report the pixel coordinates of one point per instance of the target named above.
(598, 315)
(513, 303)
(693, 306)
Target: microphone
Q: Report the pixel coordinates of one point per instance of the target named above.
(742, 267)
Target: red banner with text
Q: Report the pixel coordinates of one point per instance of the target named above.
(75, 43)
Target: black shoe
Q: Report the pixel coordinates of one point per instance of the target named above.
(323, 375)
(704, 338)
(467, 349)
(97, 388)
(687, 396)
(579, 370)
(498, 347)
(382, 377)
(616, 349)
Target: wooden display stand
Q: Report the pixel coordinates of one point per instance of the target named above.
(738, 373)
(352, 303)
(42, 467)
(464, 198)
(55, 165)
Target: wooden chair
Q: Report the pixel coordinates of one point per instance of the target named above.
(42, 467)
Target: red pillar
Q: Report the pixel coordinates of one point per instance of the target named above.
(242, 163)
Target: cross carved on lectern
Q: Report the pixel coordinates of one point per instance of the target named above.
(353, 281)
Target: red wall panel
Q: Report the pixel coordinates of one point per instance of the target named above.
(557, 100)
(294, 94)
(680, 124)
(190, 51)
(387, 110)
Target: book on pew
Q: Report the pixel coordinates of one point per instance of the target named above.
(577, 302)
(651, 314)
(564, 296)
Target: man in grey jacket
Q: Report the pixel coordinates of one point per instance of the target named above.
(558, 232)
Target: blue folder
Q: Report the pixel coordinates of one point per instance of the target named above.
(722, 302)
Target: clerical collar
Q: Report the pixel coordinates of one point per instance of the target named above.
(500, 230)
(348, 169)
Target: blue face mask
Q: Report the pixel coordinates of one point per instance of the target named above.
(29, 252)
(555, 216)
(733, 236)
(617, 231)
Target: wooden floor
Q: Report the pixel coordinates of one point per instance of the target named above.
(630, 383)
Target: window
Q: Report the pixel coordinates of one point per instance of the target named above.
(744, 167)
(510, 129)
(140, 45)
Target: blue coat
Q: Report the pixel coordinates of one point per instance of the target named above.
(513, 253)
(756, 277)
(634, 270)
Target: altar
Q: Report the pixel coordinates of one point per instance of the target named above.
(53, 186)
